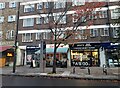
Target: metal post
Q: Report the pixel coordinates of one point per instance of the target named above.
(88, 70)
(41, 54)
(16, 36)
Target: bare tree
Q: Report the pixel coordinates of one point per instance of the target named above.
(62, 33)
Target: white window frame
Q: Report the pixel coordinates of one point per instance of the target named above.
(11, 18)
(2, 5)
(1, 35)
(29, 8)
(39, 20)
(24, 37)
(93, 32)
(61, 21)
(46, 20)
(59, 4)
(46, 4)
(1, 19)
(115, 32)
(82, 34)
(75, 17)
(40, 5)
(10, 34)
(28, 22)
(38, 36)
(115, 14)
(104, 31)
(78, 2)
(103, 14)
(12, 4)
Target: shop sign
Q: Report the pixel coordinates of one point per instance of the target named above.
(9, 54)
(80, 63)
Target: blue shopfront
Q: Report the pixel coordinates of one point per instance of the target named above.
(112, 54)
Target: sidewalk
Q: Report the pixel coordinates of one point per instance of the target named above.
(95, 73)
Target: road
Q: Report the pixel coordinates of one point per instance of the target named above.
(37, 81)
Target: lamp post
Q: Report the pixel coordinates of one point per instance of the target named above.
(16, 37)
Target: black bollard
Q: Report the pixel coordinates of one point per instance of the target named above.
(88, 70)
(104, 69)
(73, 70)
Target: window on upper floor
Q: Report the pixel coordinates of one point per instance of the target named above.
(46, 4)
(78, 2)
(39, 20)
(1, 19)
(104, 31)
(93, 32)
(59, 4)
(12, 4)
(93, 15)
(62, 20)
(115, 32)
(11, 18)
(46, 35)
(75, 17)
(46, 20)
(27, 37)
(2, 5)
(29, 8)
(82, 34)
(40, 5)
(28, 22)
(103, 14)
(38, 36)
(115, 14)
(10, 34)
(0, 35)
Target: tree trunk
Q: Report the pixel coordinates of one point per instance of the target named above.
(54, 59)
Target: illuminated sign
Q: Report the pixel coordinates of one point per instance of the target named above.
(9, 54)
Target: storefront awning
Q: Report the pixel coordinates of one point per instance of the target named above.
(51, 50)
(3, 48)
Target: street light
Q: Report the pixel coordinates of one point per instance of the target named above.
(16, 37)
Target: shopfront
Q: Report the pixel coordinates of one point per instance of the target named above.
(85, 55)
(61, 57)
(112, 54)
(30, 50)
